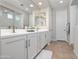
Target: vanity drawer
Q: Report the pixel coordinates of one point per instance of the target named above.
(32, 35)
(13, 39)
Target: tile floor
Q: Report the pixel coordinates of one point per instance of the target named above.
(45, 54)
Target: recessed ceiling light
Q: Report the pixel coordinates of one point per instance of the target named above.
(31, 5)
(21, 4)
(61, 1)
(40, 3)
(27, 9)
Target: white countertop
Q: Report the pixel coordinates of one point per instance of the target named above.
(5, 33)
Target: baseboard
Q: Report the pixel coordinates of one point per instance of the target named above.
(76, 54)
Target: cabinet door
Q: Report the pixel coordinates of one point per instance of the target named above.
(13, 48)
(42, 39)
(38, 42)
(48, 37)
(32, 46)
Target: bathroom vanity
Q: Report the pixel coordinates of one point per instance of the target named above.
(23, 45)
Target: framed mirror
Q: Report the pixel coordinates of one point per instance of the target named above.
(9, 18)
(41, 19)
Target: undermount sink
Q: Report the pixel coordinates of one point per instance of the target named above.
(30, 30)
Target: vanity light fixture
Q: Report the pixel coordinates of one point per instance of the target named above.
(61, 1)
(31, 5)
(40, 3)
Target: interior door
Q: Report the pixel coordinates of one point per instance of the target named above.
(74, 27)
(61, 21)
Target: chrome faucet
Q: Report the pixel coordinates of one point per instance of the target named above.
(13, 29)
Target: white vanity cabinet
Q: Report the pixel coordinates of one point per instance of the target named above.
(42, 39)
(14, 48)
(48, 36)
(36, 42)
(25, 46)
(32, 45)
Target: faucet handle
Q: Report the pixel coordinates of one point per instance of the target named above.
(13, 29)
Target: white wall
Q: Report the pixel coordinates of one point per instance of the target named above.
(50, 15)
(61, 20)
(74, 27)
(54, 24)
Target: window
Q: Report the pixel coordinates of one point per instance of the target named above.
(17, 18)
(10, 16)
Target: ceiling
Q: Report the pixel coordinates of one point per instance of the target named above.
(74, 2)
(45, 3)
(56, 4)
